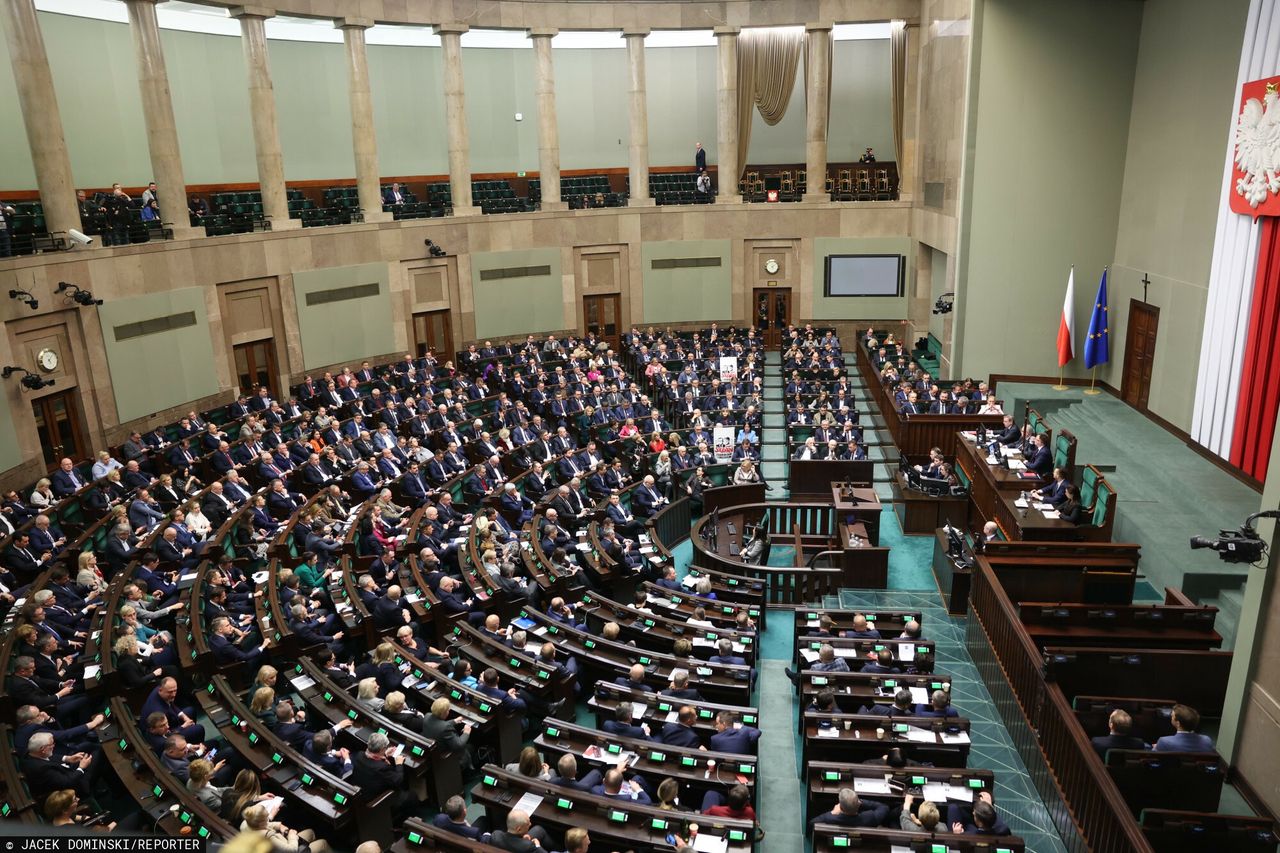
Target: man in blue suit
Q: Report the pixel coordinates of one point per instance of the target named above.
(984, 820)
(1186, 736)
(1041, 460)
(362, 482)
(515, 505)
(1119, 736)
(1055, 491)
(567, 775)
(66, 481)
(624, 725)
(413, 485)
(733, 737)
(681, 732)
(939, 706)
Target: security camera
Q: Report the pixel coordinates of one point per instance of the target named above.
(78, 294)
(23, 296)
(79, 238)
(29, 380)
(946, 302)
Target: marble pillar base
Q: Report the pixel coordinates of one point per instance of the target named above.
(733, 198)
(278, 224)
(188, 232)
(378, 216)
(553, 205)
(820, 197)
(640, 202)
(471, 210)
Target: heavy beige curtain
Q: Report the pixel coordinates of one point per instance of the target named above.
(897, 81)
(767, 60)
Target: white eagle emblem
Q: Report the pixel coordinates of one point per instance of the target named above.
(1258, 147)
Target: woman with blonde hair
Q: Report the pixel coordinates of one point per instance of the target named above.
(42, 496)
(367, 694)
(89, 576)
(242, 794)
(61, 807)
(263, 706)
(926, 819)
(266, 677)
(199, 772)
(197, 522)
(282, 838)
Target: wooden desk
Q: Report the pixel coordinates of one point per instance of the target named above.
(617, 823)
(987, 481)
(657, 710)
(1201, 676)
(688, 766)
(863, 564)
(861, 741)
(887, 621)
(829, 838)
(824, 779)
(860, 502)
(658, 633)
(858, 652)
(1147, 626)
(1175, 780)
(921, 513)
(855, 690)
(811, 479)
(953, 580)
(1024, 523)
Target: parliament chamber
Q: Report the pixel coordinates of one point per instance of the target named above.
(651, 427)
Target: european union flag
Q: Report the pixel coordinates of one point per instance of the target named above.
(1097, 346)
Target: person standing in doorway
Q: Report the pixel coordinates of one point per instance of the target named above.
(699, 158)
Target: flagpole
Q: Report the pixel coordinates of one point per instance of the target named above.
(1060, 386)
(1092, 391)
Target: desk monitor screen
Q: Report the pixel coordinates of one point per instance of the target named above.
(415, 837)
(864, 275)
(617, 816)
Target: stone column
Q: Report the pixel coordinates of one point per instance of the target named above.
(728, 169)
(157, 111)
(816, 110)
(638, 117)
(262, 110)
(39, 105)
(364, 141)
(544, 87)
(455, 119)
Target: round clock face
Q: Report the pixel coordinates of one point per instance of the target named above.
(48, 360)
(771, 266)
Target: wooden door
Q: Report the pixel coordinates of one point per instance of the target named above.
(431, 331)
(1139, 353)
(60, 426)
(771, 313)
(256, 366)
(603, 315)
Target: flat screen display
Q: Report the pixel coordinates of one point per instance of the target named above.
(864, 275)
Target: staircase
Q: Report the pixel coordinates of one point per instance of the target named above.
(773, 429)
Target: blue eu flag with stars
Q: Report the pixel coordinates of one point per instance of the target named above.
(1097, 345)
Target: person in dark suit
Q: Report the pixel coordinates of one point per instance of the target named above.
(43, 775)
(181, 720)
(520, 836)
(680, 689)
(699, 158)
(438, 727)
(567, 775)
(900, 707)
(883, 665)
(374, 773)
(668, 579)
(1186, 735)
(623, 724)
(1119, 736)
(1009, 435)
(939, 706)
(984, 820)
(1070, 509)
(66, 481)
(850, 811)
(454, 819)
(1041, 459)
(733, 737)
(319, 749)
(681, 731)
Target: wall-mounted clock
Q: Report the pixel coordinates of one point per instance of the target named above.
(47, 359)
(771, 266)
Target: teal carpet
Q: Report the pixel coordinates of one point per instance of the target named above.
(910, 557)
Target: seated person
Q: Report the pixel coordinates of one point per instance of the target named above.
(733, 737)
(736, 805)
(1040, 460)
(520, 836)
(850, 811)
(680, 732)
(1055, 491)
(567, 775)
(1119, 734)
(861, 629)
(1070, 508)
(984, 820)
(623, 723)
(679, 687)
(827, 662)
(883, 664)
(1186, 735)
(454, 819)
(901, 706)
(616, 786)
(939, 706)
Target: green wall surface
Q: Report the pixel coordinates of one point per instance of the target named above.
(860, 307)
(10, 454)
(313, 109)
(407, 86)
(1052, 114)
(690, 293)
(937, 287)
(96, 78)
(209, 86)
(681, 88)
(499, 84)
(517, 306)
(594, 133)
(153, 372)
(1172, 183)
(365, 322)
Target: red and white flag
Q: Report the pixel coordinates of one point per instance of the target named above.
(1067, 323)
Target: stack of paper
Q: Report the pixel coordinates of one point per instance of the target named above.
(528, 804)
(919, 736)
(872, 786)
(920, 695)
(957, 738)
(831, 732)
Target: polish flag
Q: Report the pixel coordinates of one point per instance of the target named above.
(1066, 323)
